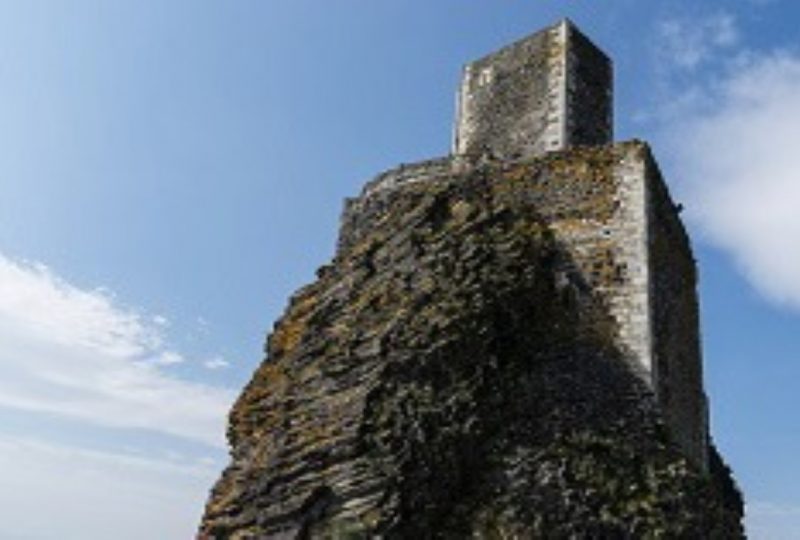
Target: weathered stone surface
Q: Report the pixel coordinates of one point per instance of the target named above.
(455, 372)
(547, 92)
(611, 213)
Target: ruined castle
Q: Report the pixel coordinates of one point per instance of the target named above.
(551, 92)
(504, 345)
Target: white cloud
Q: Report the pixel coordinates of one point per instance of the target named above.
(738, 168)
(687, 43)
(54, 492)
(216, 363)
(76, 353)
(169, 358)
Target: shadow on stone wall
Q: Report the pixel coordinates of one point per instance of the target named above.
(451, 375)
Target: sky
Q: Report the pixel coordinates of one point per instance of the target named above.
(171, 171)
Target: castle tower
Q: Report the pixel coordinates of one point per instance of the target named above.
(552, 91)
(549, 91)
(548, 98)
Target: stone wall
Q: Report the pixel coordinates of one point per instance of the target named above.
(610, 210)
(589, 92)
(547, 92)
(593, 200)
(677, 373)
(364, 212)
(512, 102)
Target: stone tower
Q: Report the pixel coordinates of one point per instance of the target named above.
(550, 92)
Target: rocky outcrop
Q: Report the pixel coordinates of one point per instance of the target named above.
(447, 377)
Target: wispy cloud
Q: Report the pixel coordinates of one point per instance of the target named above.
(739, 165)
(91, 494)
(74, 352)
(216, 363)
(732, 134)
(687, 43)
(169, 358)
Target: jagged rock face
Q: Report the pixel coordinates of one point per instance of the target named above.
(441, 379)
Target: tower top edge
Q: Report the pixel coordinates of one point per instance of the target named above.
(565, 27)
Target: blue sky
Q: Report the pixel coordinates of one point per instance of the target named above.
(171, 171)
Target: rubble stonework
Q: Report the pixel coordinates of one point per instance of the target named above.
(505, 344)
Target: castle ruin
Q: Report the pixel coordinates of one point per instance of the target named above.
(504, 345)
(553, 91)
(549, 95)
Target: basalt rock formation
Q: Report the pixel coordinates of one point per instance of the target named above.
(450, 374)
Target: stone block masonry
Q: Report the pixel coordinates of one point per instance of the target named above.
(547, 92)
(613, 213)
(677, 365)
